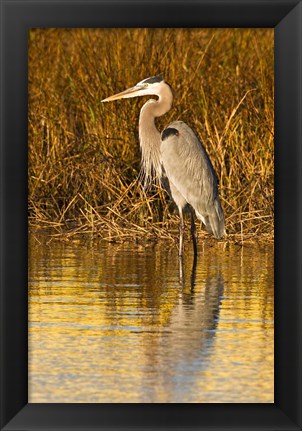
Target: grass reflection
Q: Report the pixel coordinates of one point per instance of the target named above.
(127, 324)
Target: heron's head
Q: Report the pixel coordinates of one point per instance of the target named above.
(146, 87)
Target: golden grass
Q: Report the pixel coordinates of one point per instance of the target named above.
(84, 156)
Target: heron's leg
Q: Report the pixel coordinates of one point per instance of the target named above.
(193, 233)
(193, 273)
(181, 232)
(181, 270)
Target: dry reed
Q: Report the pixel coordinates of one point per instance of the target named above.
(84, 156)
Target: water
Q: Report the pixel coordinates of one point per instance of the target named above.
(122, 323)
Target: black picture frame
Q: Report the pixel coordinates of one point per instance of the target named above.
(17, 17)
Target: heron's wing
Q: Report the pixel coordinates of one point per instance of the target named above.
(187, 164)
(190, 170)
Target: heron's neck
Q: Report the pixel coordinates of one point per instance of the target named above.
(149, 136)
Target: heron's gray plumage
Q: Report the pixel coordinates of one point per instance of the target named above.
(177, 158)
(189, 169)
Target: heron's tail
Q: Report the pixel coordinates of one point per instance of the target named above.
(214, 219)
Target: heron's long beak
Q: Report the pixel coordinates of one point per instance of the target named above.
(130, 92)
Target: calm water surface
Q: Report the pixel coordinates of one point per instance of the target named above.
(123, 323)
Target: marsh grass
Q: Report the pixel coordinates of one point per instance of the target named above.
(84, 156)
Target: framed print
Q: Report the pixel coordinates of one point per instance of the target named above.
(133, 400)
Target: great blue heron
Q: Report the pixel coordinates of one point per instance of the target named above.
(178, 159)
